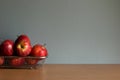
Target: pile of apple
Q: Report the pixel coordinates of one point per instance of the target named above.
(19, 49)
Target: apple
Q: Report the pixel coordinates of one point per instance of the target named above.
(6, 47)
(22, 45)
(23, 37)
(17, 61)
(31, 61)
(1, 61)
(39, 50)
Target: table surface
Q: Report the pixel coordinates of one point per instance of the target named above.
(64, 72)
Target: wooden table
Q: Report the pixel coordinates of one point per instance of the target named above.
(64, 72)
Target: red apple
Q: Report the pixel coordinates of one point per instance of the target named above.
(17, 61)
(1, 60)
(31, 61)
(39, 50)
(22, 45)
(6, 47)
(23, 37)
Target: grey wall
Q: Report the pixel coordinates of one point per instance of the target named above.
(76, 31)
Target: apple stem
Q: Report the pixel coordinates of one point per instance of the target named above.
(18, 35)
(44, 44)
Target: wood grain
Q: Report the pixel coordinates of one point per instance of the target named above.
(64, 72)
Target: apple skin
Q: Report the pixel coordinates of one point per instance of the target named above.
(16, 61)
(6, 47)
(24, 38)
(23, 48)
(1, 61)
(22, 45)
(39, 50)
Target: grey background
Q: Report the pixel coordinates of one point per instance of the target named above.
(75, 31)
